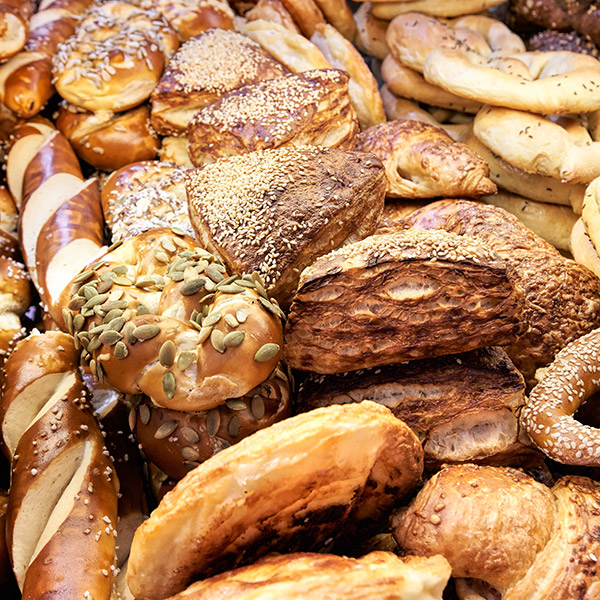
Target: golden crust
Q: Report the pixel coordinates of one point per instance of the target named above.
(272, 10)
(306, 14)
(590, 213)
(309, 108)
(319, 470)
(562, 297)
(582, 248)
(339, 14)
(283, 208)
(400, 296)
(204, 69)
(388, 9)
(303, 575)
(423, 161)
(488, 522)
(370, 32)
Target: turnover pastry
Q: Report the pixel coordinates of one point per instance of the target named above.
(283, 208)
(401, 296)
(312, 107)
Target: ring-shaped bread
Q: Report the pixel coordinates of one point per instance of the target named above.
(160, 316)
(568, 382)
(387, 9)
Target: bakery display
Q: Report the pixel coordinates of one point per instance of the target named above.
(299, 298)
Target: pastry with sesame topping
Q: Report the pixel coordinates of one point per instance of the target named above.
(423, 161)
(275, 211)
(115, 58)
(204, 69)
(312, 108)
(401, 296)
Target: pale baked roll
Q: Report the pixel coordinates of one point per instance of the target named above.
(284, 208)
(370, 32)
(582, 249)
(274, 11)
(205, 68)
(309, 108)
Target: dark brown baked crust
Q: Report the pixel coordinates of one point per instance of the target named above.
(275, 211)
(463, 407)
(563, 40)
(401, 296)
(311, 107)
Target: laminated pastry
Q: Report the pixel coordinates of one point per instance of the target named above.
(423, 161)
(303, 575)
(401, 296)
(201, 71)
(309, 108)
(145, 195)
(319, 470)
(562, 298)
(463, 407)
(283, 208)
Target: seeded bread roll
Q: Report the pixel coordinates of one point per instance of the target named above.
(401, 296)
(283, 208)
(561, 40)
(463, 407)
(309, 108)
(205, 68)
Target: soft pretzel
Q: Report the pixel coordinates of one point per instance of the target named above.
(25, 80)
(564, 149)
(542, 82)
(108, 141)
(319, 470)
(310, 575)
(62, 510)
(160, 316)
(568, 382)
(14, 25)
(114, 58)
(387, 9)
(61, 217)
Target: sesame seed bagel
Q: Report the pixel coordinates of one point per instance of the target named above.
(160, 316)
(178, 442)
(566, 149)
(115, 58)
(548, 416)
(286, 488)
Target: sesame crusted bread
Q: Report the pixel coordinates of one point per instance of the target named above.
(275, 211)
(463, 407)
(401, 296)
(309, 575)
(286, 488)
(312, 108)
(145, 195)
(201, 71)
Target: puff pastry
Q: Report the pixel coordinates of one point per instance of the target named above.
(401, 296)
(312, 107)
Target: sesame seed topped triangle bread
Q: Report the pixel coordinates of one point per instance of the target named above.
(289, 487)
(206, 67)
(312, 107)
(275, 211)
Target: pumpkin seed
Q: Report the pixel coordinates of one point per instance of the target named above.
(116, 295)
(195, 325)
(204, 334)
(116, 324)
(144, 414)
(120, 280)
(88, 291)
(245, 283)
(142, 309)
(216, 339)
(93, 368)
(212, 319)
(185, 359)
(128, 333)
(231, 320)
(213, 421)
(169, 385)
(190, 465)
(176, 276)
(114, 313)
(166, 354)
(168, 245)
(166, 429)
(220, 444)
(236, 404)
(272, 308)
(210, 286)
(105, 286)
(96, 300)
(112, 304)
(226, 281)
(241, 315)
(266, 352)
(177, 231)
(234, 338)
(97, 330)
(107, 275)
(76, 303)
(68, 319)
(144, 282)
(147, 332)
(94, 344)
(121, 350)
(161, 256)
(120, 269)
(192, 287)
(233, 429)
(207, 298)
(83, 276)
(190, 454)
(110, 338)
(257, 406)
(190, 435)
(115, 245)
(214, 273)
(231, 288)
(100, 373)
(190, 273)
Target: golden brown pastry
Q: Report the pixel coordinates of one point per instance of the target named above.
(387, 9)
(284, 207)
(204, 69)
(309, 108)
(401, 296)
(14, 25)
(562, 297)
(306, 14)
(582, 249)
(463, 407)
(339, 15)
(145, 195)
(174, 150)
(423, 161)
(370, 32)
(319, 470)
(303, 575)
(273, 11)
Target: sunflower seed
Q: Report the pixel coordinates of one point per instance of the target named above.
(233, 429)
(83, 276)
(212, 319)
(166, 354)
(226, 281)
(234, 338)
(257, 406)
(169, 385)
(132, 418)
(204, 334)
(110, 338)
(166, 429)
(245, 283)
(176, 276)
(216, 339)
(207, 298)
(93, 368)
(193, 286)
(114, 245)
(121, 350)
(213, 421)
(76, 303)
(190, 435)
(99, 372)
(144, 414)
(185, 359)
(190, 454)
(236, 404)
(231, 320)
(168, 245)
(266, 352)
(148, 331)
(213, 272)
(142, 309)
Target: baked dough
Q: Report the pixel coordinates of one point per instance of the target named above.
(388, 9)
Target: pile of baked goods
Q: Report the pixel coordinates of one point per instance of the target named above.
(299, 298)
